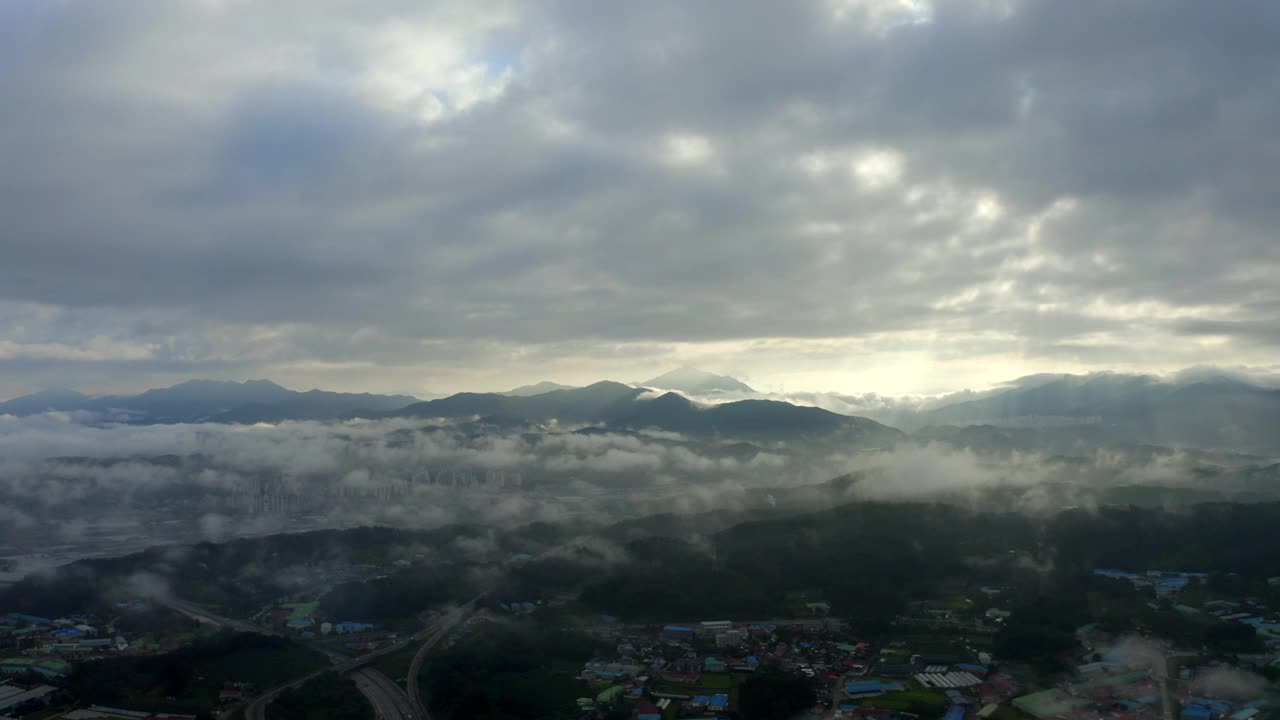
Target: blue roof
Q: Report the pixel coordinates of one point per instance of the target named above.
(859, 687)
(33, 619)
(1211, 703)
(955, 712)
(701, 699)
(719, 700)
(1195, 711)
(970, 666)
(677, 628)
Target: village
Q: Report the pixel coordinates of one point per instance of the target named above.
(694, 670)
(937, 661)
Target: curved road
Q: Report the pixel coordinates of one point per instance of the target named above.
(388, 700)
(415, 667)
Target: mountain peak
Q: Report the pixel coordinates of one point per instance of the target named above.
(697, 382)
(539, 388)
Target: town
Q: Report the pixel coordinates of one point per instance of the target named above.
(938, 659)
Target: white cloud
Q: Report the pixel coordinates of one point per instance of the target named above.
(426, 197)
(687, 149)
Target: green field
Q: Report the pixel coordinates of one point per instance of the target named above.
(192, 676)
(396, 665)
(716, 681)
(918, 701)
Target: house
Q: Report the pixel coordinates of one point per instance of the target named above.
(679, 633)
(868, 713)
(730, 638)
(955, 712)
(719, 701)
(230, 695)
(953, 679)
(818, 609)
(646, 710)
(711, 627)
(11, 699)
(714, 664)
(1197, 712)
(49, 667)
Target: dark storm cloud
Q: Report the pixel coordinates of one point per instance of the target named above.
(258, 188)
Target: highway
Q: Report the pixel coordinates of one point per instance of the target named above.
(199, 614)
(415, 667)
(388, 700)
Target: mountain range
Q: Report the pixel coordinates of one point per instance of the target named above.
(1210, 412)
(1052, 413)
(545, 386)
(620, 406)
(251, 401)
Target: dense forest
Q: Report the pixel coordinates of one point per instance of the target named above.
(328, 696)
(513, 671)
(865, 559)
(189, 679)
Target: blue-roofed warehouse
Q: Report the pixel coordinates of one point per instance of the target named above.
(677, 632)
(1197, 712)
(869, 688)
(1217, 706)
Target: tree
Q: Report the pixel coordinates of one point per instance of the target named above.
(774, 695)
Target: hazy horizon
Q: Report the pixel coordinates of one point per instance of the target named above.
(1266, 377)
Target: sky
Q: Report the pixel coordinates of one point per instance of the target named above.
(845, 195)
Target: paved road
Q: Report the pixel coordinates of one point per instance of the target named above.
(257, 710)
(388, 700)
(415, 668)
(391, 702)
(201, 615)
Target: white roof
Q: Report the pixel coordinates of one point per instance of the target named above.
(947, 680)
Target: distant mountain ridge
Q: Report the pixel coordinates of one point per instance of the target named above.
(251, 401)
(539, 388)
(1047, 413)
(693, 381)
(1208, 412)
(624, 407)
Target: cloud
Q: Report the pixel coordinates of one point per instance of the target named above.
(216, 188)
(1230, 683)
